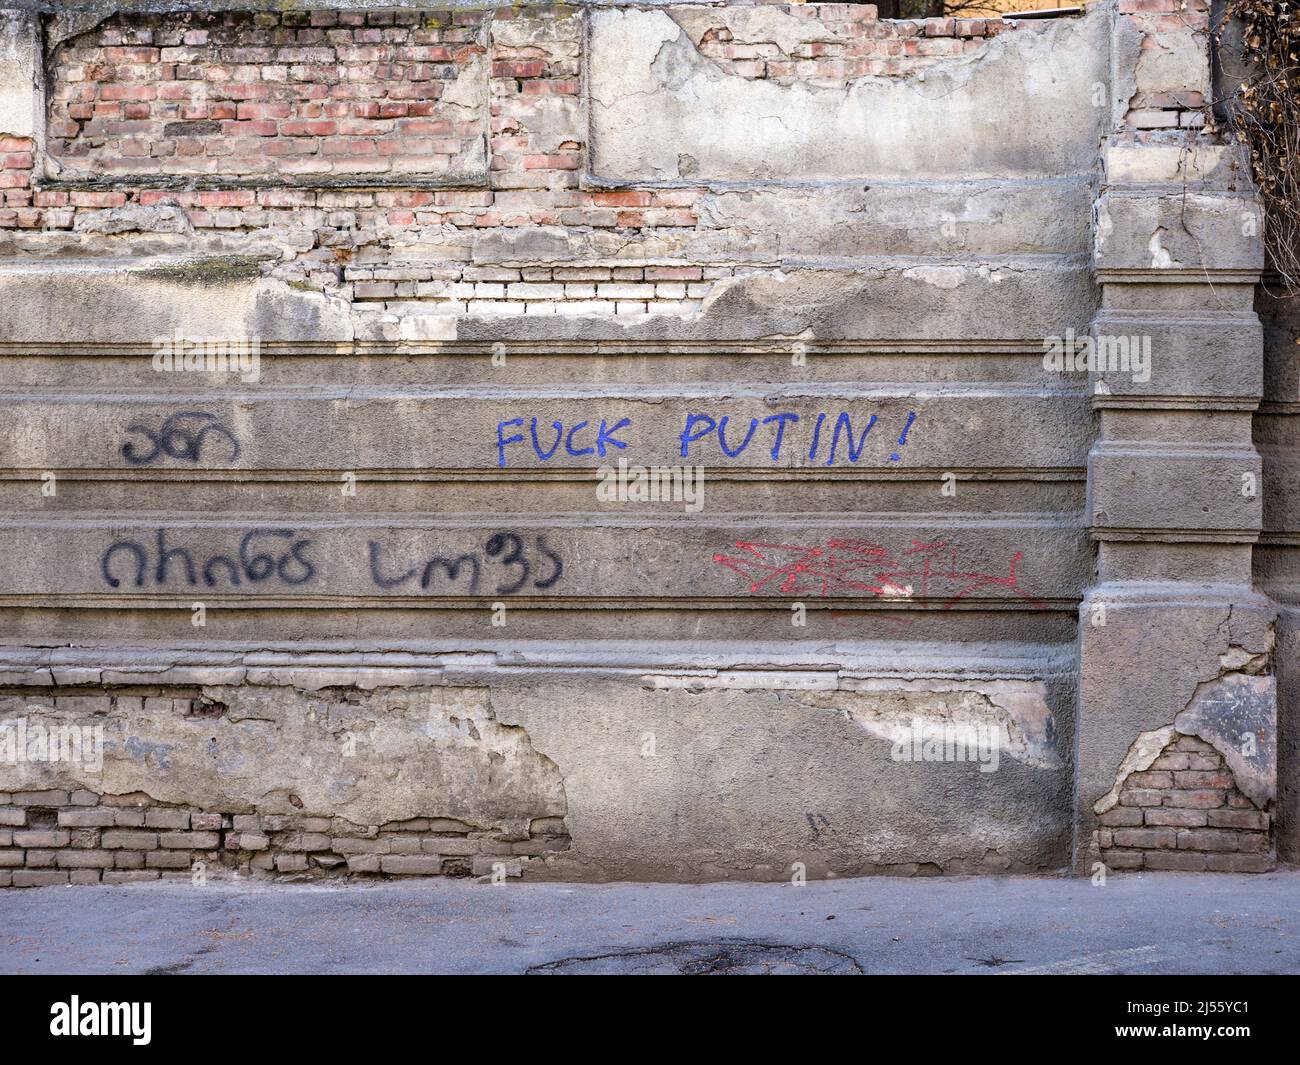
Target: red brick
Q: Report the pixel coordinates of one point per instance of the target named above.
(129, 877)
(189, 840)
(551, 88)
(1198, 779)
(1176, 861)
(550, 162)
(1150, 779)
(1195, 800)
(85, 859)
(419, 865)
(1238, 863)
(228, 198)
(1165, 817)
(39, 877)
(128, 92)
(51, 797)
(1146, 838)
(674, 273)
(38, 837)
(87, 198)
(1208, 839)
(1248, 819)
(1252, 842)
(676, 197)
(1141, 797)
(167, 860)
(657, 217)
(532, 68)
(627, 198)
(126, 840)
(260, 128)
(462, 198)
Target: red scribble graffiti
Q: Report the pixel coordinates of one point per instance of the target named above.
(923, 571)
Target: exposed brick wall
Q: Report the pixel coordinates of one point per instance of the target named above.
(1165, 25)
(531, 76)
(864, 46)
(81, 837)
(1185, 813)
(16, 161)
(73, 831)
(287, 93)
(599, 290)
(342, 234)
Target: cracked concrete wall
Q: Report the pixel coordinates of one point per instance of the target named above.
(301, 497)
(367, 757)
(566, 772)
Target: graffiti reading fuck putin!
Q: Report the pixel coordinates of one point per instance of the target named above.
(820, 439)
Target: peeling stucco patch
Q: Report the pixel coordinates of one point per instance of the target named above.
(135, 218)
(1160, 257)
(367, 756)
(1145, 750)
(1241, 660)
(18, 73)
(754, 25)
(1237, 715)
(1014, 713)
(945, 277)
(906, 127)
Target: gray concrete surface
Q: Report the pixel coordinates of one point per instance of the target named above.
(1140, 924)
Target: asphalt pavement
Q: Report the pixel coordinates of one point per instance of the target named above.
(1152, 923)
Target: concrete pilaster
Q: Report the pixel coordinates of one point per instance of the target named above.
(1172, 634)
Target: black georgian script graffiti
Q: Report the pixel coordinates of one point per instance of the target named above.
(506, 548)
(181, 436)
(253, 562)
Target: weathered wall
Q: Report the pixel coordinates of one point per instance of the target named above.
(1276, 559)
(358, 605)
